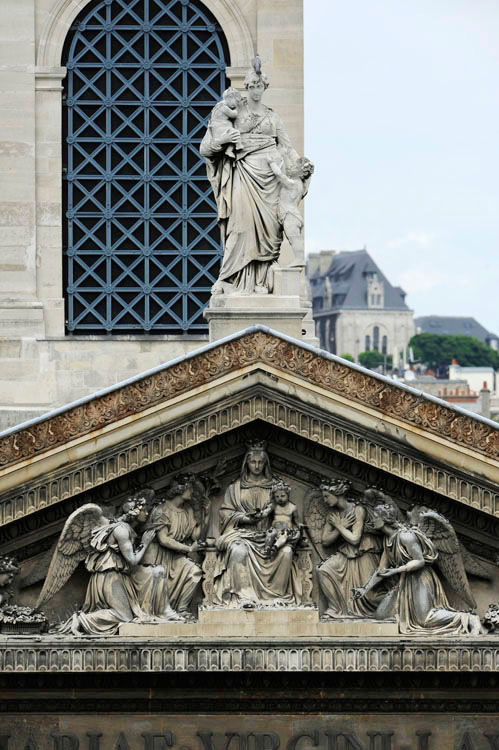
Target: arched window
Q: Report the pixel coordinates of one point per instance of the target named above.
(384, 345)
(376, 338)
(141, 242)
(367, 345)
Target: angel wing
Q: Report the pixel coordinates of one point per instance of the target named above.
(315, 514)
(200, 499)
(473, 565)
(450, 560)
(72, 547)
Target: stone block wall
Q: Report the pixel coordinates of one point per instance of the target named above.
(41, 368)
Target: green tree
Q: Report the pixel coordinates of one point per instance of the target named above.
(348, 357)
(438, 350)
(371, 359)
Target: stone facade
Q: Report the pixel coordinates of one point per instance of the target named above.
(321, 417)
(41, 368)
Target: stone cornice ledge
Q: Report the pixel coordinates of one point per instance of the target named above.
(348, 654)
(247, 348)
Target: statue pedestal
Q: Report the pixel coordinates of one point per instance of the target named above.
(282, 311)
(285, 622)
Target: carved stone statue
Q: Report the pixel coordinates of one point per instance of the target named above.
(120, 589)
(338, 522)
(16, 619)
(285, 520)
(9, 568)
(294, 187)
(253, 569)
(177, 532)
(249, 158)
(412, 555)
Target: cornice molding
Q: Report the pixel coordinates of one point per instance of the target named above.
(343, 655)
(259, 403)
(388, 399)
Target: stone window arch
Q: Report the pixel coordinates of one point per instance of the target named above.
(50, 74)
(376, 338)
(141, 243)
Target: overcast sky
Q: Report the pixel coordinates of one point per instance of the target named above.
(402, 122)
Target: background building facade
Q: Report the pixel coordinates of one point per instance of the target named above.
(108, 229)
(355, 307)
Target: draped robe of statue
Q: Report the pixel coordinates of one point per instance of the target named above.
(182, 575)
(258, 578)
(112, 596)
(349, 567)
(247, 195)
(422, 604)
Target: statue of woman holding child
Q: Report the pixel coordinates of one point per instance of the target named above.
(255, 567)
(255, 174)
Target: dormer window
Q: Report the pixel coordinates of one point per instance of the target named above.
(375, 291)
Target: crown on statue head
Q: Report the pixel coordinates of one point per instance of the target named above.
(256, 445)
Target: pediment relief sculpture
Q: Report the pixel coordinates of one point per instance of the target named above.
(420, 552)
(16, 619)
(260, 530)
(268, 543)
(120, 588)
(385, 565)
(340, 525)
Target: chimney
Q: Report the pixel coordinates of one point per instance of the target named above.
(485, 401)
(325, 259)
(312, 263)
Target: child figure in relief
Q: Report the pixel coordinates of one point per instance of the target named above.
(222, 117)
(294, 187)
(286, 526)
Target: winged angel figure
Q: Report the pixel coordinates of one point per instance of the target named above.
(337, 521)
(414, 551)
(120, 589)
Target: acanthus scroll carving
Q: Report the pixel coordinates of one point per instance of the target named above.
(317, 368)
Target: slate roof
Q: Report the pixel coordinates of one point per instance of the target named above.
(348, 275)
(453, 326)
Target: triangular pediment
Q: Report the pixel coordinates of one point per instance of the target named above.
(321, 417)
(342, 415)
(257, 374)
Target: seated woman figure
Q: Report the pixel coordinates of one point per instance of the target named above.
(246, 575)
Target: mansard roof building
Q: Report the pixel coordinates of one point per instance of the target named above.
(456, 326)
(355, 307)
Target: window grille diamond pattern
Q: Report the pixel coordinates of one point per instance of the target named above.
(141, 247)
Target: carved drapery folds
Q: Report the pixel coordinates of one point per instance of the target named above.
(261, 546)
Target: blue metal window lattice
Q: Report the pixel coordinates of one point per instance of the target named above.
(141, 246)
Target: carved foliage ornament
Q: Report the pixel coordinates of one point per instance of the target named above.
(230, 356)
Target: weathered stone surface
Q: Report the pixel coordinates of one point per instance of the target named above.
(262, 623)
(257, 731)
(31, 197)
(336, 654)
(314, 367)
